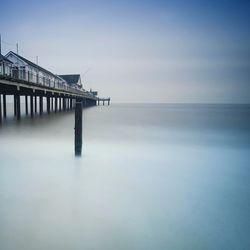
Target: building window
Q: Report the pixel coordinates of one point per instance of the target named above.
(22, 72)
(7, 69)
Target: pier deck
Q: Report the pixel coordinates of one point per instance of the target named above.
(57, 99)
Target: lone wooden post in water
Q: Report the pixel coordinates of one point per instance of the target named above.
(78, 127)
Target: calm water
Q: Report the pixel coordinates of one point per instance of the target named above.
(151, 177)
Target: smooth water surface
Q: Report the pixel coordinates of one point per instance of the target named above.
(150, 177)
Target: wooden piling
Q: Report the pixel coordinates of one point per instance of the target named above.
(60, 103)
(35, 104)
(51, 104)
(78, 128)
(41, 105)
(63, 104)
(4, 106)
(14, 105)
(31, 106)
(0, 110)
(26, 105)
(55, 104)
(48, 104)
(71, 103)
(18, 107)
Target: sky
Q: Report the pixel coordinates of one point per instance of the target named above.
(138, 51)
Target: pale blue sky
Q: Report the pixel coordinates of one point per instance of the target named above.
(139, 51)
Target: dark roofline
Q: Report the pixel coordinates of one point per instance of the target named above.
(3, 58)
(69, 80)
(33, 64)
(71, 75)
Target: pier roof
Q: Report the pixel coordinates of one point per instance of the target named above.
(33, 64)
(71, 79)
(3, 58)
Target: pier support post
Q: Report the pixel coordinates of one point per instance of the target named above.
(78, 128)
(31, 106)
(26, 104)
(71, 103)
(4, 106)
(41, 105)
(64, 104)
(0, 110)
(35, 104)
(48, 104)
(55, 104)
(14, 105)
(52, 104)
(18, 107)
(60, 103)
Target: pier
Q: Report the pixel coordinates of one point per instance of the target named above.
(103, 100)
(43, 91)
(37, 96)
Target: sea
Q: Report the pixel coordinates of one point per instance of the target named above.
(151, 176)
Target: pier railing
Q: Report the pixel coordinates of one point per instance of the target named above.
(31, 78)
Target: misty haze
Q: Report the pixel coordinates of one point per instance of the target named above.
(124, 125)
